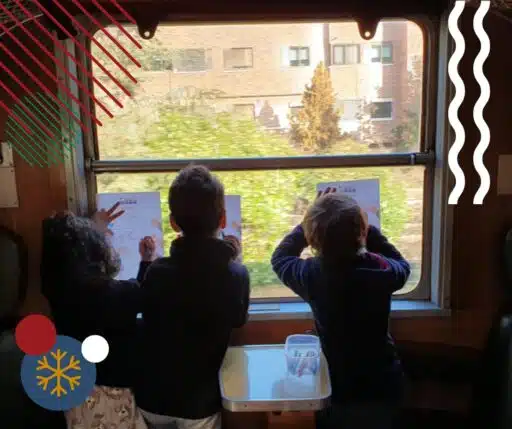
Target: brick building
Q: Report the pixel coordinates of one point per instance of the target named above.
(260, 70)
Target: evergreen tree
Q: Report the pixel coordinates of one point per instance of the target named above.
(316, 125)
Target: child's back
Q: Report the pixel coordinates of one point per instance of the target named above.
(193, 300)
(349, 290)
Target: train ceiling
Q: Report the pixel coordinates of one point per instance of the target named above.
(149, 13)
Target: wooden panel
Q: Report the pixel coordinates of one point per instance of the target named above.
(40, 190)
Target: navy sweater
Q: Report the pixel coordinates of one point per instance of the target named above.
(192, 301)
(351, 309)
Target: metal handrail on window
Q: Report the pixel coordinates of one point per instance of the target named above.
(266, 163)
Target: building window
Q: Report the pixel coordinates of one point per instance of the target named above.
(160, 130)
(243, 111)
(299, 56)
(346, 54)
(382, 110)
(160, 63)
(191, 60)
(238, 58)
(382, 53)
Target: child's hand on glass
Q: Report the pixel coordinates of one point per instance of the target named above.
(147, 249)
(326, 191)
(103, 218)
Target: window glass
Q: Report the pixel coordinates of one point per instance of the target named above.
(192, 70)
(273, 202)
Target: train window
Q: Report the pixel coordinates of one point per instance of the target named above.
(183, 108)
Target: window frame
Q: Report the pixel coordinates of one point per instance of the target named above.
(344, 47)
(208, 61)
(298, 49)
(238, 67)
(387, 118)
(380, 46)
(435, 133)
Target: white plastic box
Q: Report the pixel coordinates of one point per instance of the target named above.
(302, 355)
(303, 365)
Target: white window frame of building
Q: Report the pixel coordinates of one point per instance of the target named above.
(386, 118)
(299, 62)
(432, 294)
(344, 48)
(248, 54)
(207, 60)
(378, 59)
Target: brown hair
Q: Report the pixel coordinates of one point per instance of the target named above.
(196, 201)
(334, 227)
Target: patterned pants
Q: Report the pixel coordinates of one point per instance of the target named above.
(106, 408)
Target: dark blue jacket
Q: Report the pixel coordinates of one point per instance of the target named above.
(351, 308)
(192, 301)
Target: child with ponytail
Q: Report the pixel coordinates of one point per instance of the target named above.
(349, 284)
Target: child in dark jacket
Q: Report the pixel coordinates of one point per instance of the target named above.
(349, 286)
(77, 272)
(193, 300)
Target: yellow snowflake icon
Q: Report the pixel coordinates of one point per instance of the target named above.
(61, 378)
(59, 372)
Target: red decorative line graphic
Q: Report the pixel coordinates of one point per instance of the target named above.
(42, 86)
(37, 126)
(92, 39)
(15, 98)
(105, 31)
(42, 66)
(49, 54)
(13, 115)
(62, 48)
(120, 27)
(78, 44)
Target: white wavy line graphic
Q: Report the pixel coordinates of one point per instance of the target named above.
(453, 109)
(485, 92)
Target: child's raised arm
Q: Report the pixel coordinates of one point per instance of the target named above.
(376, 242)
(286, 262)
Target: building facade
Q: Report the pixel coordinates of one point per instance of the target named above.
(260, 71)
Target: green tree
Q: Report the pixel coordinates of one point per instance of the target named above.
(315, 127)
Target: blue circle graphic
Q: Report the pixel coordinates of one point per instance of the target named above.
(60, 379)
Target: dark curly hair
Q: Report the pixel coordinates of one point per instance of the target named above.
(74, 248)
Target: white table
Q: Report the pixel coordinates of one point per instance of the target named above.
(254, 379)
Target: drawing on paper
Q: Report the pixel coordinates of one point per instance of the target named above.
(233, 217)
(142, 217)
(365, 192)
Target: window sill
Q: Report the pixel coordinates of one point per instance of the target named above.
(381, 119)
(301, 310)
